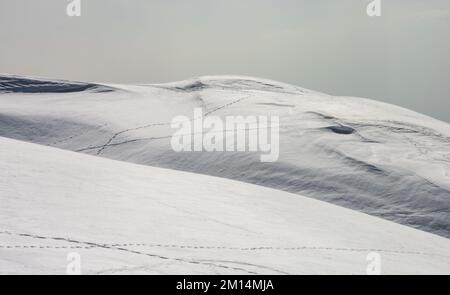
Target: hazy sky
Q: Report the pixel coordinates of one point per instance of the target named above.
(332, 46)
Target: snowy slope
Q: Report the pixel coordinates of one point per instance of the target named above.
(127, 218)
(387, 161)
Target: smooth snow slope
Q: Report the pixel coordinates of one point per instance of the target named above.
(127, 218)
(392, 162)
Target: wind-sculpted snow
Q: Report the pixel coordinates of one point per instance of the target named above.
(123, 218)
(42, 129)
(25, 85)
(361, 154)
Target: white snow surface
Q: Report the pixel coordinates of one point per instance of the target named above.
(62, 190)
(124, 218)
(394, 163)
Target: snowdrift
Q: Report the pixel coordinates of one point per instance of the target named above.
(127, 218)
(365, 155)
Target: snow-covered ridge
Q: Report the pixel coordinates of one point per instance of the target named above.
(17, 84)
(358, 153)
(126, 218)
(234, 83)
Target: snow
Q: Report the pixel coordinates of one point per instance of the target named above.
(128, 218)
(365, 155)
(88, 168)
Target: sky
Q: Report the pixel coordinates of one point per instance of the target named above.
(401, 57)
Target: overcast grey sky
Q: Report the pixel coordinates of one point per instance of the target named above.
(332, 46)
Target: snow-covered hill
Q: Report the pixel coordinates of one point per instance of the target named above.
(361, 154)
(127, 218)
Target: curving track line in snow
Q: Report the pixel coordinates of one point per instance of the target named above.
(109, 143)
(119, 248)
(90, 245)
